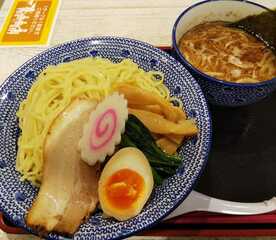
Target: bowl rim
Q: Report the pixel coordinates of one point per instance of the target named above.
(210, 78)
(197, 87)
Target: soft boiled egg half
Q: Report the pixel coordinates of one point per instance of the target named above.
(125, 184)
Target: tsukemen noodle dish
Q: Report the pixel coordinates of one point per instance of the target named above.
(97, 134)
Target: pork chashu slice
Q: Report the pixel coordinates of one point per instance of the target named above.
(68, 193)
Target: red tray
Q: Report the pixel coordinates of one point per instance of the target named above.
(200, 224)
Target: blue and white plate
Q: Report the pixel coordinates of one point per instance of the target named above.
(16, 197)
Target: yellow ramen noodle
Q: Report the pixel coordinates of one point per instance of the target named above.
(227, 53)
(54, 89)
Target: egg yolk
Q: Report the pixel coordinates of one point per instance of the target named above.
(124, 187)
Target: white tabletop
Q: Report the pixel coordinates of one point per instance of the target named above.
(147, 20)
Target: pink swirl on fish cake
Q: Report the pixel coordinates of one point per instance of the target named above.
(102, 127)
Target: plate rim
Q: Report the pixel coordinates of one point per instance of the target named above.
(196, 86)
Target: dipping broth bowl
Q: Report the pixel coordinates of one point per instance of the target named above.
(220, 92)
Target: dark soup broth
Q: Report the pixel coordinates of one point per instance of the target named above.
(228, 53)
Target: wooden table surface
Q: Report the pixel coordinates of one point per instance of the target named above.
(147, 20)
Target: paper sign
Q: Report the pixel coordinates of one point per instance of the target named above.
(29, 22)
